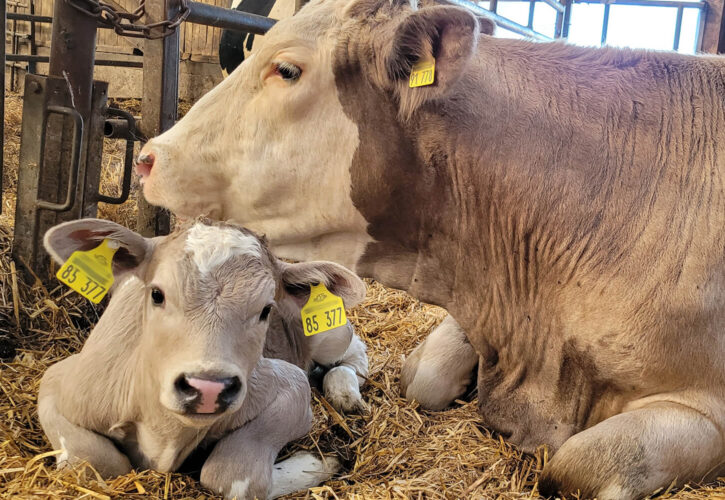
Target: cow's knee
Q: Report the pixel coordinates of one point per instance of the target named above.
(441, 368)
(634, 453)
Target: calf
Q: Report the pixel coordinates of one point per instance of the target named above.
(176, 362)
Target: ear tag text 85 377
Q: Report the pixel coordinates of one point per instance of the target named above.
(89, 272)
(422, 73)
(323, 311)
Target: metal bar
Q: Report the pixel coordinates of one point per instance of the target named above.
(17, 16)
(493, 6)
(159, 103)
(530, 22)
(605, 24)
(3, 18)
(647, 3)
(32, 67)
(559, 25)
(701, 28)
(13, 49)
(554, 5)
(678, 29)
(219, 17)
(121, 128)
(566, 24)
(97, 62)
(70, 196)
(503, 22)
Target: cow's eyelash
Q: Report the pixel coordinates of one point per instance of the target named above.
(287, 70)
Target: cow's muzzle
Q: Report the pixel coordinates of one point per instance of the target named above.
(201, 394)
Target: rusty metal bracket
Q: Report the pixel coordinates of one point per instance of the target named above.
(123, 128)
(75, 162)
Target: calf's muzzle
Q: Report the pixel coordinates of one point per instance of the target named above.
(201, 394)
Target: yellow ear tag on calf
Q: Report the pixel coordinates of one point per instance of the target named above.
(323, 311)
(90, 273)
(423, 73)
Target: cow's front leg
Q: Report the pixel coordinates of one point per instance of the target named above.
(77, 443)
(632, 454)
(441, 368)
(242, 465)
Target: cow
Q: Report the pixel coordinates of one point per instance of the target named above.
(565, 204)
(177, 363)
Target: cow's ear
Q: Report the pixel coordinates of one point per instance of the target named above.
(133, 249)
(298, 278)
(486, 25)
(444, 33)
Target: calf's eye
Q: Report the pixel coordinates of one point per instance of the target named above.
(265, 312)
(157, 296)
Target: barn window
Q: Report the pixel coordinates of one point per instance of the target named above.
(648, 24)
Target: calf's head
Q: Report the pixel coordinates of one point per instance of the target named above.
(318, 111)
(200, 298)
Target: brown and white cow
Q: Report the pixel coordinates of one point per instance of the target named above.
(566, 205)
(176, 361)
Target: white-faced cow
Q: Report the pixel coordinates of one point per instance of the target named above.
(178, 360)
(566, 205)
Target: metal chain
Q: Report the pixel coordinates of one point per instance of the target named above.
(125, 23)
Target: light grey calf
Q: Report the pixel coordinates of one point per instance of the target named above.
(176, 361)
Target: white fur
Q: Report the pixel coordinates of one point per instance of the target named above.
(63, 457)
(212, 246)
(239, 489)
(342, 389)
(300, 472)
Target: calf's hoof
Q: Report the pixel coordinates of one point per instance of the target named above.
(301, 471)
(342, 389)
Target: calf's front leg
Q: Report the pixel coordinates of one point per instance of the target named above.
(634, 453)
(77, 443)
(242, 465)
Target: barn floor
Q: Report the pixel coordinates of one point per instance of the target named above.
(394, 450)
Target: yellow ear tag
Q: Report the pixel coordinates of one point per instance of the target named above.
(423, 73)
(90, 273)
(323, 311)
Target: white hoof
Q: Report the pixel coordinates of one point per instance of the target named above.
(342, 389)
(301, 471)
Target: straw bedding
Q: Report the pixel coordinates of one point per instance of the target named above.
(394, 450)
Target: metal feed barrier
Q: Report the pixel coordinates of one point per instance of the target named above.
(63, 129)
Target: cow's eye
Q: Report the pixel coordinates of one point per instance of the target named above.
(265, 312)
(287, 71)
(157, 296)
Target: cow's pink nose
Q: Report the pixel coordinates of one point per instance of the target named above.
(144, 163)
(201, 395)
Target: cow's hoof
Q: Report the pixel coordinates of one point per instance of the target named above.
(342, 389)
(301, 471)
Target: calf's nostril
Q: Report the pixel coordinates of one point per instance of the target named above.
(182, 386)
(232, 387)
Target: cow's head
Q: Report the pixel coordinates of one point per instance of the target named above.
(274, 145)
(204, 295)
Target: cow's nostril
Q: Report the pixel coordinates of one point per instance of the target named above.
(232, 387)
(144, 163)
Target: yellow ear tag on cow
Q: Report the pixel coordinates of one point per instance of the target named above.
(89, 272)
(323, 311)
(423, 73)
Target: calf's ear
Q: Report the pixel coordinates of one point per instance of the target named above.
(444, 33)
(298, 278)
(62, 240)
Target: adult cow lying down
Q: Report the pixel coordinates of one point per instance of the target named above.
(176, 361)
(566, 205)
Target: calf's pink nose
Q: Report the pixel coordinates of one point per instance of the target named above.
(209, 391)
